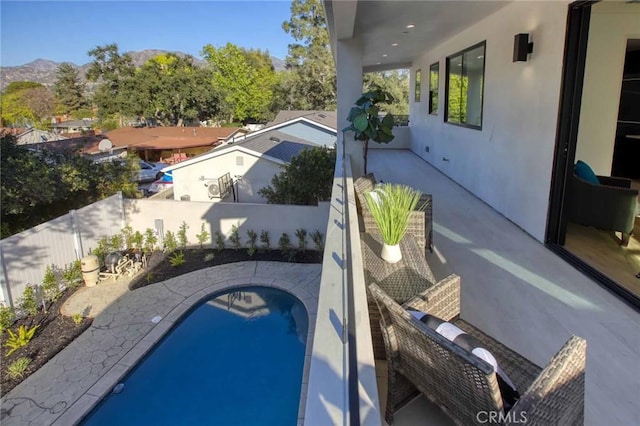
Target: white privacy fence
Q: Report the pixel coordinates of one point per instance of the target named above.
(25, 256)
(274, 218)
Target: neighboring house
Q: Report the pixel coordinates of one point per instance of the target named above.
(97, 148)
(36, 136)
(317, 127)
(163, 143)
(251, 164)
(72, 126)
(325, 118)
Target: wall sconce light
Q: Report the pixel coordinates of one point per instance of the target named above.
(521, 47)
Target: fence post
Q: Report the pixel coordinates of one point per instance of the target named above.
(77, 238)
(5, 290)
(160, 230)
(123, 219)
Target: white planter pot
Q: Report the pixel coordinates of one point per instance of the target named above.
(391, 254)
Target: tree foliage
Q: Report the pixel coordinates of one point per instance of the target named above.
(310, 58)
(113, 70)
(172, 90)
(39, 186)
(305, 181)
(244, 79)
(18, 86)
(69, 90)
(27, 103)
(396, 83)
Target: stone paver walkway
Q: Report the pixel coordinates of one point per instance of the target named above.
(90, 301)
(77, 378)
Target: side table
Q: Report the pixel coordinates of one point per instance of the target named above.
(402, 280)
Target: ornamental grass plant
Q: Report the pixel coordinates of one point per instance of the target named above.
(391, 205)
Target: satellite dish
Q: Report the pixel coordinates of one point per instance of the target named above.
(105, 145)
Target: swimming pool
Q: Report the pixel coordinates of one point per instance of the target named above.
(236, 359)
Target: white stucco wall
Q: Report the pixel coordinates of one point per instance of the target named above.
(142, 213)
(612, 23)
(256, 173)
(508, 163)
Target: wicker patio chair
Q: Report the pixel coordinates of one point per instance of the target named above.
(420, 222)
(421, 360)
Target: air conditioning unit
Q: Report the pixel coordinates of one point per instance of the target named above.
(219, 188)
(213, 188)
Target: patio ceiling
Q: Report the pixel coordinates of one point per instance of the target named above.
(381, 24)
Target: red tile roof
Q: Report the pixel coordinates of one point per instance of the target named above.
(170, 137)
(15, 131)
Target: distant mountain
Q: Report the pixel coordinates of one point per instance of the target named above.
(43, 71)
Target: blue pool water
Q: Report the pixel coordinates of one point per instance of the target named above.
(236, 359)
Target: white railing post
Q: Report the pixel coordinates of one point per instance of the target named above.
(5, 290)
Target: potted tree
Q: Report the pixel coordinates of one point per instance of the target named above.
(366, 123)
(390, 206)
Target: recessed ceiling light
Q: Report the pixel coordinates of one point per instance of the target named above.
(384, 55)
(394, 44)
(411, 26)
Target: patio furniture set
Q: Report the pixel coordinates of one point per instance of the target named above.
(458, 367)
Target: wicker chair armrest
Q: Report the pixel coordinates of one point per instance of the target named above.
(557, 394)
(441, 300)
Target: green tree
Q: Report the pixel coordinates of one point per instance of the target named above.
(36, 187)
(27, 103)
(305, 181)
(244, 79)
(112, 70)
(310, 59)
(396, 83)
(68, 89)
(171, 89)
(18, 86)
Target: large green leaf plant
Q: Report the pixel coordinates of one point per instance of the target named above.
(366, 122)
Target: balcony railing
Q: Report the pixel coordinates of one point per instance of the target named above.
(342, 385)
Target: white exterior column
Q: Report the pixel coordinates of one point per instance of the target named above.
(349, 78)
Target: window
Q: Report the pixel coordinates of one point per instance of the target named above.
(417, 89)
(465, 85)
(434, 76)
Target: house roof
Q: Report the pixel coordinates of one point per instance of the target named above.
(83, 144)
(31, 136)
(15, 131)
(276, 145)
(73, 123)
(171, 137)
(326, 118)
(272, 145)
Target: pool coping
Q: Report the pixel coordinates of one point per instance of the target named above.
(300, 280)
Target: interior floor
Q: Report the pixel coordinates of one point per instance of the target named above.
(601, 250)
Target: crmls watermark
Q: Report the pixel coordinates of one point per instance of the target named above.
(488, 417)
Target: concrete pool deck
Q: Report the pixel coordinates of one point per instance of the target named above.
(65, 389)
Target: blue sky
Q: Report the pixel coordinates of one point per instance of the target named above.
(66, 30)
